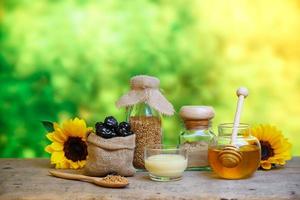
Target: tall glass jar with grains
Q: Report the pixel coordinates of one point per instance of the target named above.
(144, 105)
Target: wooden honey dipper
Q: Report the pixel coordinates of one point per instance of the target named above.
(230, 156)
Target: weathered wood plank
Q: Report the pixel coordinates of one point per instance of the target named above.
(28, 179)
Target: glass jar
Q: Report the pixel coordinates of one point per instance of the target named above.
(197, 135)
(146, 124)
(145, 104)
(246, 152)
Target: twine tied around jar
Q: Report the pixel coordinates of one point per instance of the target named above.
(146, 89)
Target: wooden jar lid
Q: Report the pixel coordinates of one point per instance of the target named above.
(196, 113)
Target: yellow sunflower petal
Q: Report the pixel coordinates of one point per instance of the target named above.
(81, 125)
(261, 132)
(281, 161)
(285, 148)
(57, 157)
(268, 133)
(50, 136)
(74, 165)
(280, 156)
(265, 165)
(59, 165)
(258, 132)
(48, 149)
(57, 146)
(69, 129)
(273, 160)
(277, 145)
(59, 132)
(54, 137)
(285, 156)
(64, 165)
(82, 163)
(56, 126)
(75, 128)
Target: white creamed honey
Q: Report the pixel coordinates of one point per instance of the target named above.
(167, 165)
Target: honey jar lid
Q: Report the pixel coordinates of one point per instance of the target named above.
(197, 112)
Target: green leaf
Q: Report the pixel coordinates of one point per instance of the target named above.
(48, 126)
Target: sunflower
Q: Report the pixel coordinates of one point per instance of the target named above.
(275, 149)
(68, 148)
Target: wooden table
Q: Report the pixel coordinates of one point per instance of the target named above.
(29, 179)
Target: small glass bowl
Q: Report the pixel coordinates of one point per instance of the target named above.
(165, 162)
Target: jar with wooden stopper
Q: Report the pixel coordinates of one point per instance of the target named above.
(197, 135)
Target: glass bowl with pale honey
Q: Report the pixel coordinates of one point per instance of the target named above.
(236, 160)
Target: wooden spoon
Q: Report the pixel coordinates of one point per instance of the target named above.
(230, 156)
(95, 180)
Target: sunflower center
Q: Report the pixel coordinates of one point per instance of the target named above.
(75, 149)
(266, 150)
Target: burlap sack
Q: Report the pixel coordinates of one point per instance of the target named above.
(146, 89)
(107, 156)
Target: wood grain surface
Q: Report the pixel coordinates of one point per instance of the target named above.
(29, 179)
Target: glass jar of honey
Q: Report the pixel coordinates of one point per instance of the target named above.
(242, 158)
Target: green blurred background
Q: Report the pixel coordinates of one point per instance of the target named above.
(62, 59)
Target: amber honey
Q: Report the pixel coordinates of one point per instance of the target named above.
(247, 166)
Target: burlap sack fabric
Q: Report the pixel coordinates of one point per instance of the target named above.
(107, 156)
(146, 89)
